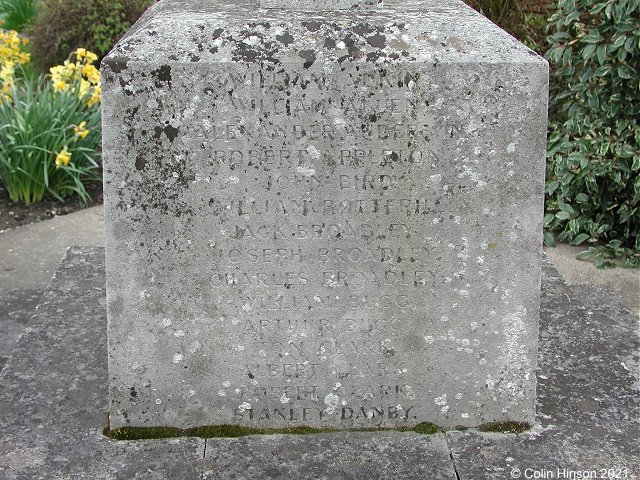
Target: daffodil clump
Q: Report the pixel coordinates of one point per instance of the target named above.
(80, 132)
(11, 55)
(50, 135)
(80, 76)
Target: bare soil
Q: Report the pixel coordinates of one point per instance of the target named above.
(16, 214)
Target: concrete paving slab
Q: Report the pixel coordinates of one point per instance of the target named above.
(53, 393)
(625, 282)
(30, 254)
(588, 397)
(16, 309)
(28, 257)
(357, 456)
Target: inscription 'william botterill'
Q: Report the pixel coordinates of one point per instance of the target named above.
(327, 207)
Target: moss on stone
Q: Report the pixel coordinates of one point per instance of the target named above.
(234, 431)
(144, 433)
(424, 428)
(505, 427)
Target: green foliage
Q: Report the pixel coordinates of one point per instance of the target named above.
(593, 168)
(17, 14)
(64, 25)
(528, 27)
(43, 144)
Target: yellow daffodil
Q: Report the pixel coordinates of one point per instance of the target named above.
(95, 97)
(63, 157)
(10, 56)
(91, 57)
(81, 76)
(84, 88)
(69, 68)
(7, 73)
(60, 86)
(80, 131)
(91, 73)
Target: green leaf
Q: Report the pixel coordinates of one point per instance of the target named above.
(601, 52)
(587, 51)
(562, 215)
(587, 254)
(565, 207)
(618, 42)
(548, 218)
(552, 186)
(583, 237)
(548, 239)
(593, 38)
(622, 55)
(625, 72)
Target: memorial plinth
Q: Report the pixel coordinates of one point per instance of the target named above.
(328, 218)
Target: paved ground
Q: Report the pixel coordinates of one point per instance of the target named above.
(53, 399)
(29, 255)
(625, 282)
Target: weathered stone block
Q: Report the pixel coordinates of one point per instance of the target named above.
(320, 4)
(318, 219)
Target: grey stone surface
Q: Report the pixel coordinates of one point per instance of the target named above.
(16, 309)
(321, 218)
(357, 456)
(29, 255)
(54, 395)
(588, 396)
(320, 4)
(625, 282)
(53, 401)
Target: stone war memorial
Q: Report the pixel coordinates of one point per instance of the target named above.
(324, 214)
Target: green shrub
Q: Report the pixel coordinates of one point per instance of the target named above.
(49, 140)
(527, 26)
(593, 169)
(64, 25)
(17, 14)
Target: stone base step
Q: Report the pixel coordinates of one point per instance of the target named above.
(16, 309)
(53, 404)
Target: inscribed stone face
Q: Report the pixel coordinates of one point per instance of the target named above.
(320, 5)
(322, 220)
